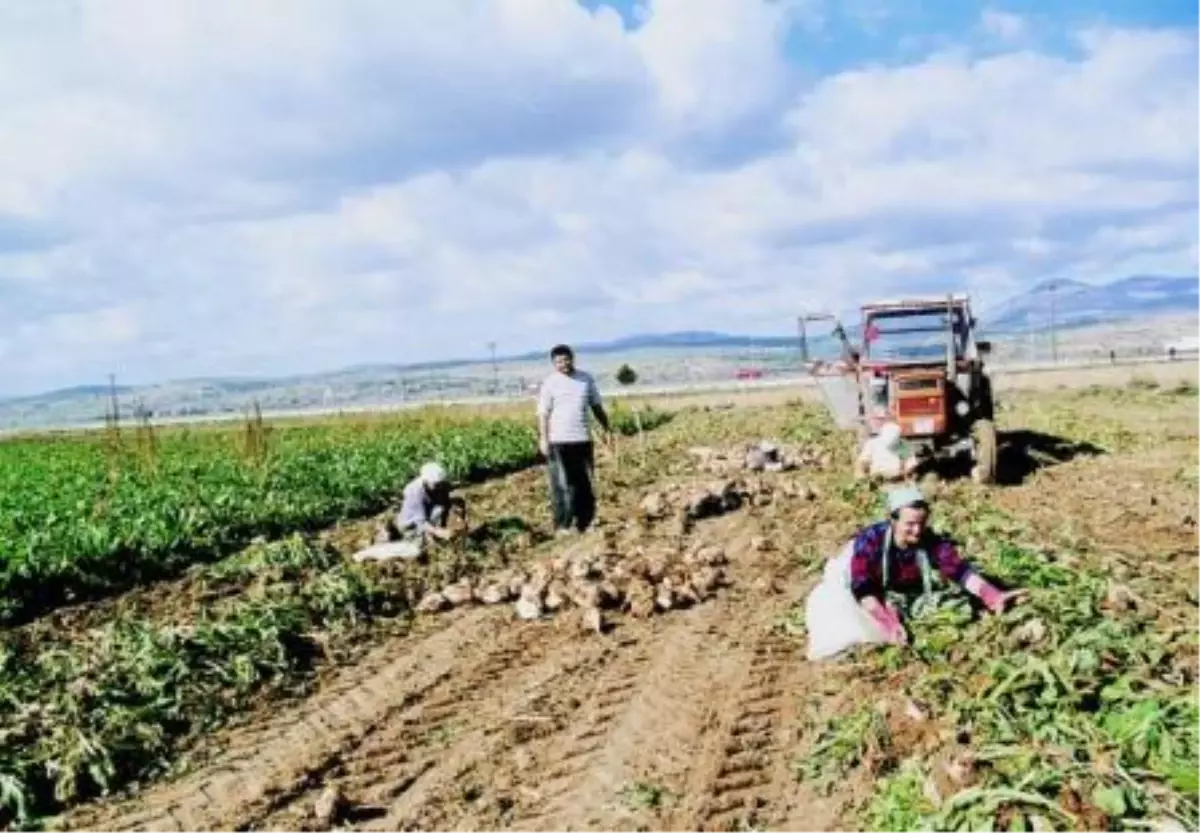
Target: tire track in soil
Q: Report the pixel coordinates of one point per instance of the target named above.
(636, 721)
(743, 774)
(665, 721)
(400, 768)
(264, 770)
(448, 798)
(583, 708)
(402, 761)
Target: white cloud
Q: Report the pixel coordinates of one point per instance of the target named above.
(871, 15)
(715, 63)
(212, 187)
(161, 106)
(1003, 25)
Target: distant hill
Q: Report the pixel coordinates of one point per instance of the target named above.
(661, 341)
(76, 392)
(1078, 304)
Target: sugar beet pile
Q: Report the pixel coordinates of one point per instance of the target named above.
(593, 576)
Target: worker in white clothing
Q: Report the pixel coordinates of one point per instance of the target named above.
(886, 456)
(425, 511)
(423, 516)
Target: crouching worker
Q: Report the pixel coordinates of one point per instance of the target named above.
(423, 517)
(898, 555)
(427, 504)
(886, 456)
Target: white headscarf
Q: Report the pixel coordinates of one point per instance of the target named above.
(432, 474)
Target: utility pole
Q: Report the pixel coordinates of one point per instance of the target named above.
(803, 339)
(112, 397)
(495, 368)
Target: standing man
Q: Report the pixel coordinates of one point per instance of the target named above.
(565, 439)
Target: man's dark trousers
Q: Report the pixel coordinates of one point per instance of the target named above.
(570, 470)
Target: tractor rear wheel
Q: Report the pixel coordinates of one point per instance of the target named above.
(986, 451)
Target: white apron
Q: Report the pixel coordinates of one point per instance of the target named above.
(833, 617)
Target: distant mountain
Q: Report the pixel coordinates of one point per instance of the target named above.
(681, 339)
(1078, 304)
(75, 392)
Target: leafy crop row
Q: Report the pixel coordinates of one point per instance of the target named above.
(1071, 711)
(82, 517)
(93, 715)
(79, 520)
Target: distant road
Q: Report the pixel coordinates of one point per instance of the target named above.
(1002, 373)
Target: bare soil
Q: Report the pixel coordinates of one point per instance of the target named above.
(689, 719)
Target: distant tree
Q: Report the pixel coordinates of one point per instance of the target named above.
(626, 375)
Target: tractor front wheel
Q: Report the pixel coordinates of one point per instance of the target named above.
(986, 451)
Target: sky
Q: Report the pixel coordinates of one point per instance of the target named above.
(222, 187)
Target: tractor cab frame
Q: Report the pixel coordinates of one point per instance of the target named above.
(918, 363)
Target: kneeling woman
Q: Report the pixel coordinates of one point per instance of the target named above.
(898, 555)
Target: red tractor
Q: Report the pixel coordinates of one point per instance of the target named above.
(919, 365)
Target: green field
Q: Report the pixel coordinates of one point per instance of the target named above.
(86, 515)
(90, 515)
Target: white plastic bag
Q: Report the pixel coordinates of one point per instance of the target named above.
(406, 548)
(832, 616)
